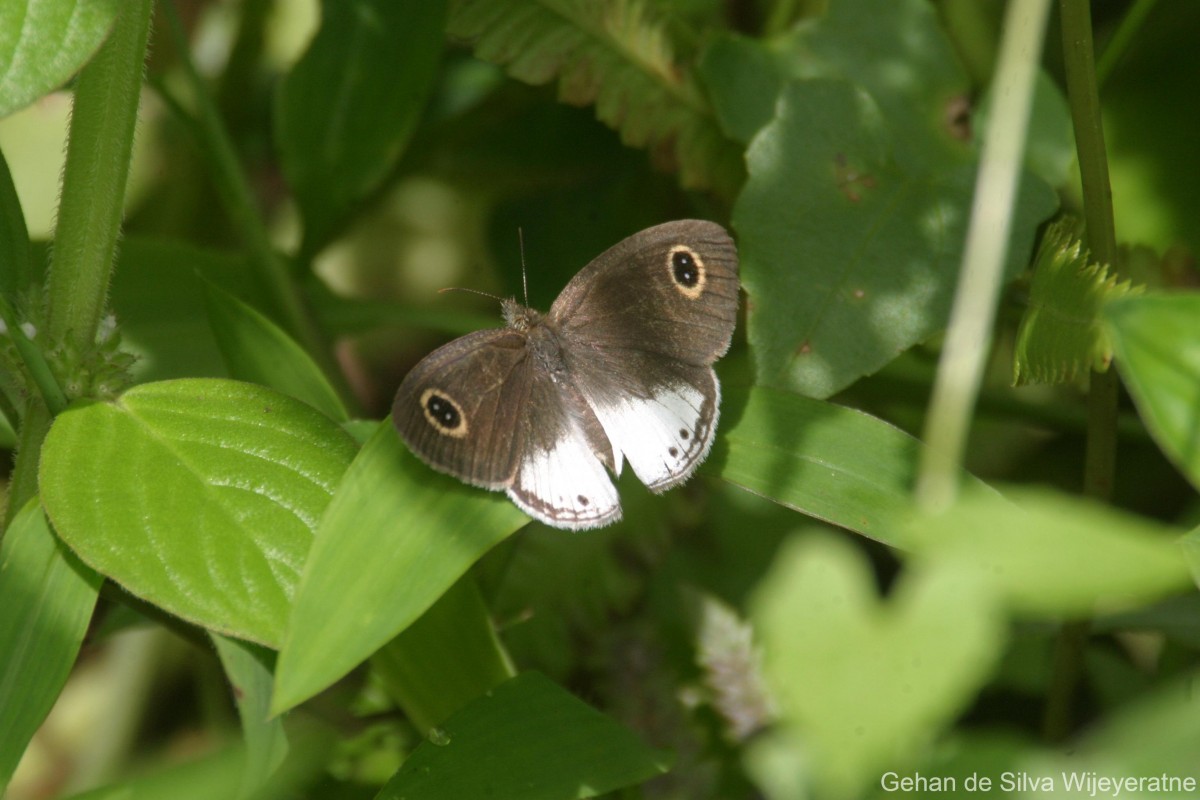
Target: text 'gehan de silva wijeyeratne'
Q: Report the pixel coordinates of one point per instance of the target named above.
(1091, 784)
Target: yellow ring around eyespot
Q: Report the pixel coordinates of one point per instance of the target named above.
(690, 292)
(438, 425)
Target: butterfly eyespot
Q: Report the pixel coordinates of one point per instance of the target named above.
(687, 271)
(443, 413)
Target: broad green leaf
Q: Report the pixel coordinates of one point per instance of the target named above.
(616, 57)
(864, 683)
(248, 668)
(1061, 335)
(825, 460)
(449, 656)
(852, 222)
(1157, 343)
(200, 496)
(1052, 554)
(45, 42)
(396, 536)
(257, 350)
(849, 254)
(346, 111)
(912, 72)
(527, 739)
(46, 602)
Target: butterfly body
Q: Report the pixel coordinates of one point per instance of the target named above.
(618, 371)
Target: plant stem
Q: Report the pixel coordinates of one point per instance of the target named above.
(968, 337)
(1100, 459)
(89, 215)
(103, 118)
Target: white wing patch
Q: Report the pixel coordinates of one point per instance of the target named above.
(566, 486)
(664, 437)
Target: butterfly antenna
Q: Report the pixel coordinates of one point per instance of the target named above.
(472, 291)
(524, 279)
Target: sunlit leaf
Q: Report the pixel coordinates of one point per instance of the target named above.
(201, 496)
(825, 460)
(45, 42)
(396, 536)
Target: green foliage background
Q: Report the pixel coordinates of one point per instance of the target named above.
(215, 544)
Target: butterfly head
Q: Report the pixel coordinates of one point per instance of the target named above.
(519, 317)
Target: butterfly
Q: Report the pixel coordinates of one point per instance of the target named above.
(619, 370)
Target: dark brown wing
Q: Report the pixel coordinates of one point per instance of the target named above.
(479, 408)
(462, 408)
(670, 290)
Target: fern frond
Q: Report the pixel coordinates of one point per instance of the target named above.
(610, 54)
(1061, 335)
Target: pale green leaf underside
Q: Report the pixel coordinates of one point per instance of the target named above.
(869, 681)
(199, 495)
(1055, 555)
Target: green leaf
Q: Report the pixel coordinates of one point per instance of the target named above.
(1061, 335)
(18, 274)
(852, 222)
(913, 72)
(1050, 149)
(869, 683)
(46, 602)
(346, 111)
(248, 668)
(258, 351)
(743, 78)
(449, 656)
(222, 774)
(849, 255)
(1157, 343)
(1155, 738)
(828, 461)
(351, 601)
(527, 739)
(158, 299)
(45, 42)
(200, 496)
(615, 56)
(1055, 555)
